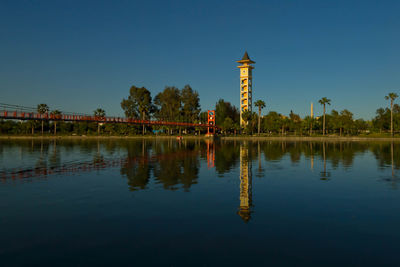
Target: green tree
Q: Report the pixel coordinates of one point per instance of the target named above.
(168, 104)
(307, 123)
(138, 102)
(203, 117)
(336, 122)
(42, 109)
(100, 114)
(295, 122)
(382, 119)
(323, 101)
(346, 120)
(248, 116)
(224, 109)
(361, 125)
(391, 97)
(272, 122)
(57, 114)
(228, 124)
(260, 104)
(396, 116)
(129, 108)
(284, 123)
(190, 108)
(33, 125)
(190, 103)
(236, 127)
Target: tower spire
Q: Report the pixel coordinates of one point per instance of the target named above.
(246, 59)
(245, 56)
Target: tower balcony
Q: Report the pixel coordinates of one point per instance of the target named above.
(245, 98)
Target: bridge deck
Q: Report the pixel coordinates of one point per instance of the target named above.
(20, 115)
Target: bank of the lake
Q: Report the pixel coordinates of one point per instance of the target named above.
(221, 137)
(311, 138)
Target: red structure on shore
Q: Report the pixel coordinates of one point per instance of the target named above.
(211, 122)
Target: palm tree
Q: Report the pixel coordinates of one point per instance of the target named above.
(42, 109)
(308, 122)
(260, 104)
(236, 128)
(33, 125)
(99, 114)
(56, 113)
(323, 101)
(247, 116)
(392, 97)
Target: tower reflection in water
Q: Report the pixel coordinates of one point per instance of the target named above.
(245, 208)
(177, 165)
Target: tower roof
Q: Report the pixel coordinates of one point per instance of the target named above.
(245, 59)
(245, 56)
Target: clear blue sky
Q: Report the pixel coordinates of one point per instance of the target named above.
(81, 55)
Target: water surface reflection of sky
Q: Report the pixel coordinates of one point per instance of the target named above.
(272, 202)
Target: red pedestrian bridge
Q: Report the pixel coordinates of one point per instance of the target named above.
(22, 114)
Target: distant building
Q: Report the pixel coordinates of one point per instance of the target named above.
(312, 110)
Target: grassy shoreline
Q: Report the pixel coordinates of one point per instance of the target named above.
(313, 138)
(247, 138)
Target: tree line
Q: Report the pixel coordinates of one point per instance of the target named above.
(183, 105)
(172, 104)
(387, 120)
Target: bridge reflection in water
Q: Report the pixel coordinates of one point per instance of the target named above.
(167, 160)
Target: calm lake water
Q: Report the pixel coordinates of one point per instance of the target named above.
(196, 203)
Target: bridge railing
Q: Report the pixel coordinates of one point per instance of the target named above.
(21, 115)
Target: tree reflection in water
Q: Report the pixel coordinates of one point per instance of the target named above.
(170, 163)
(176, 165)
(325, 175)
